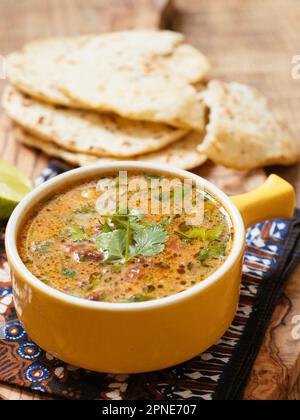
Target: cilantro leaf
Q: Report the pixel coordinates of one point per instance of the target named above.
(131, 238)
(116, 268)
(106, 228)
(67, 272)
(149, 241)
(214, 251)
(77, 234)
(42, 248)
(200, 233)
(203, 255)
(121, 221)
(113, 243)
(194, 233)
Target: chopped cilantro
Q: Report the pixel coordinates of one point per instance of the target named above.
(131, 239)
(113, 243)
(68, 272)
(200, 233)
(77, 234)
(149, 241)
(214, 251)
(117, 268)
(42, 248)
(106, 228)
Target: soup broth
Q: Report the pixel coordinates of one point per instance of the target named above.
(125, 254)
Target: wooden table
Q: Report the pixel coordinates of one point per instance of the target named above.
(249, 41)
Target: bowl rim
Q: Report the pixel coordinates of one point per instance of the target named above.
(42, 190)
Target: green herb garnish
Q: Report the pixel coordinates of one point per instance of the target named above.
(131, 239)
(121, 221)
(68, 272)
(200, 233)
(213, 234)
(194, 233)
(94, 281)
(113, 243)
(149, 241)
(117, 268)
(213, 252)
(42, 248)
(77, 234)
(106, 228)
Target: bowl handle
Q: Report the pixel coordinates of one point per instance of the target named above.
(274, 199)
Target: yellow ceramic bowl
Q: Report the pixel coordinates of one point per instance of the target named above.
(139, 337)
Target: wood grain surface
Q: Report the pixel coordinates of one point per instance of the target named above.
(249, 41)
(275, 375)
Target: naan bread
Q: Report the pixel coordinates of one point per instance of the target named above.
(182, 154)
(142, 75)
(33, 70)
(53, 150)
(87, 132)
(243, 133)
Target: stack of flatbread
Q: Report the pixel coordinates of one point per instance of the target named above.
(138, 95)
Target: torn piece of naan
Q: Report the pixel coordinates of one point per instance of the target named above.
(243, 132)
(85, 131)
(182, 154)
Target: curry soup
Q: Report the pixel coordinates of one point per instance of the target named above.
(123, 256)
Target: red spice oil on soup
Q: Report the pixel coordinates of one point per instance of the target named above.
(124, 256)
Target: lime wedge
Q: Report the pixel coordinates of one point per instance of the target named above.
(13, 188)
